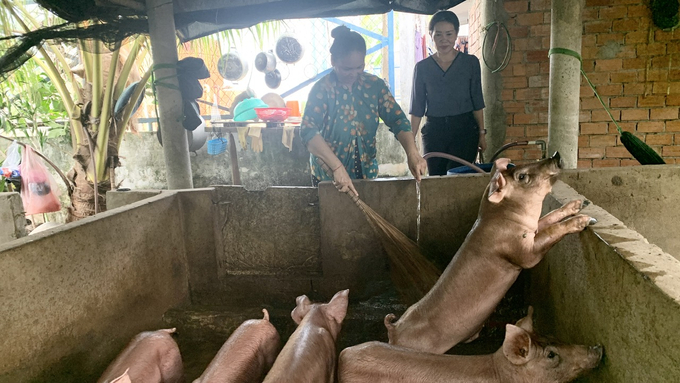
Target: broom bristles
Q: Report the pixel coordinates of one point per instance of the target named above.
(412, 273)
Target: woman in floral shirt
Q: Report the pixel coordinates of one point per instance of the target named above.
(342, 116)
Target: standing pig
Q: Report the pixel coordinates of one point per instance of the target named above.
(309, 355)
(151, 357)
(522, 358)
(246, 356)
(507, 237)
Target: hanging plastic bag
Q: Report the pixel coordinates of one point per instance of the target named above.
(13, 159)
(39, 191)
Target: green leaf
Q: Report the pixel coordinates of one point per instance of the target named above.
(58, 132)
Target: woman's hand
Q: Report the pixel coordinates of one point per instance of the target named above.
(342, 181)
(482, 140)
(416, 165)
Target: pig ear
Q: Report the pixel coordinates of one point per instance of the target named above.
(497, 185)
(301, 309)
(517, 345)
(337, 307)
(500, 164)
(527, 323)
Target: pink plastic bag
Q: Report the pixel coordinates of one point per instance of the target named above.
(39, 191)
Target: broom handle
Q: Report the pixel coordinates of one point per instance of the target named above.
(329, 173)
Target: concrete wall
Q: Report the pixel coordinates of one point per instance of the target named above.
(448, 209)
(609, 286)
(274, 245)
(12, 217)
(352, 256)
(73, 296)
(645, 198)
(86, 288)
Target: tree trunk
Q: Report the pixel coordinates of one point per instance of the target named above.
(82, 199)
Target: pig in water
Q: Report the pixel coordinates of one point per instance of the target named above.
(151, 357)
(309, 355)
(246, 356)
(522, 358)
(507, 237)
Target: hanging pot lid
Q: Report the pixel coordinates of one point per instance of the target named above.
(232, 67)
(265, 61)
(289, 49)
(273, 79)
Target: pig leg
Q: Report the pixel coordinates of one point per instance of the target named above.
(567, 210)
(125, 378)
(548, 237)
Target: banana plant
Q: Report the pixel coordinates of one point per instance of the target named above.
(95, 131)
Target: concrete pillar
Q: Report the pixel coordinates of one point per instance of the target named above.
(12, 218)
(565, 81)
(164, 50)
(492, 83)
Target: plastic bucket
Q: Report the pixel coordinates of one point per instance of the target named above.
(217, 146)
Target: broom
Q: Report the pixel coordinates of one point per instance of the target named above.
(638, 149)
(412, 273)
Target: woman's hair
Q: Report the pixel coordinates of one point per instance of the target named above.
(446, 16)
(346, 41)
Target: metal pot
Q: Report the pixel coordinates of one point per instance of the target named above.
(232, 67)
(265, 61)
(273, 79)
(289, 49)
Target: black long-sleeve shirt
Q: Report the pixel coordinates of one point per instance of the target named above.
(439, 93)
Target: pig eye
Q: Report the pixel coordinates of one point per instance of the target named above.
(551, 355)
(523, 177)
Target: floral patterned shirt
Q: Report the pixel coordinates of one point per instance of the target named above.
(348, 119)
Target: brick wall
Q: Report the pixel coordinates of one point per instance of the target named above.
(634, 65)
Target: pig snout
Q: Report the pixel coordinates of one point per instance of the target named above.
(595, 354)
(578, 360)
(557, 159)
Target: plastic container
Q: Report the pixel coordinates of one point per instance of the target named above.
(217, 146)
(272, 114)
(294, 108)
(245, 110)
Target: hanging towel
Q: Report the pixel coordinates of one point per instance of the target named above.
(288, 135)
(242, 133)
(425, 48)
(256, 139)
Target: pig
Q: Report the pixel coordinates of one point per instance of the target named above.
(246, 356)
(523, 357)
(508, 236)
(125, 378)
(309, 355)
(151, 357)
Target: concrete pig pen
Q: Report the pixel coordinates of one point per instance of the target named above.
(204, 260)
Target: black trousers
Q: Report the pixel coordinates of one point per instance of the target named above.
(456, 135)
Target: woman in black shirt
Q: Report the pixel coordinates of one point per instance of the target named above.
(447, 88)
